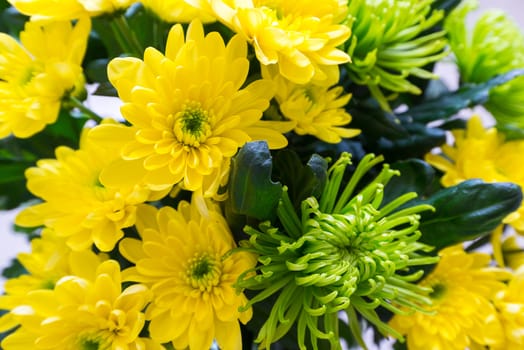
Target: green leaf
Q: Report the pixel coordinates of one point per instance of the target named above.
(418, 142)
(467, 211)
(251, 190)
(376, 123)
(446, 5)
(450, 104)
(96, 70)
(415, 176)
(12, 21)
(302, 180)
(14, 269)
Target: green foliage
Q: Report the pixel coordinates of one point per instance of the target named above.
(301, 180)
(16, 155)
(251, 190)
(467, 211)
(451, 103)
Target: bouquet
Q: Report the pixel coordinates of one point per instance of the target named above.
(282, 174)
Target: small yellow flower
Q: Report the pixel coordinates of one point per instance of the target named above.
(85, 314)
(314, 109)
(510, 306)
(185, 258)
(462, 313)
(49, 260)
(481, 153)
(301, 36)
(69, 9)
(175, 11)
(38, 73)
(76, 204)
(188, 112)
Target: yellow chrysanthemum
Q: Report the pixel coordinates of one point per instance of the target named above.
(510, 305)
(314, 109)
(49, 260)
(463, 285)
(176, 11)
(507, 251)
(76, 204)
(185, 258)
(38, 73)
(481, 153)
(69, 9)
(301, 37)
(188, 112)
(84, 314)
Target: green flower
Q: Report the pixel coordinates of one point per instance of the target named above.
(494, 46)
(389, 44)
(345, 252)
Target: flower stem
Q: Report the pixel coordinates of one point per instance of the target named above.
(128, 35)
(78, 104)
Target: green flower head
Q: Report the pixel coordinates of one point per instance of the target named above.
(389, 44)
(494, 46)
(346, 251)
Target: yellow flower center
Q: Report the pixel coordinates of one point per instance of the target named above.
(203, 272)
(192, 124)
(93, 341)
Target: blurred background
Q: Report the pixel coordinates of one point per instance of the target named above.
(12, 243)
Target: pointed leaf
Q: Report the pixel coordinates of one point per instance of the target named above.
(251, 190)
(467, 211)
(467, 96)
(302, 180)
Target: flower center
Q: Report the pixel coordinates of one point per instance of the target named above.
(203, 271)
(92, 341)
(438, 291)
(192, 124)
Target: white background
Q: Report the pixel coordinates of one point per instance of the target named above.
(11, 243)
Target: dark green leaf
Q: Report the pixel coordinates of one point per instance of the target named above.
(511, 132)
(376, 123)
(251, 190)
(12, 21)
(467, 211)
(14, 270)
(450, 104)
(302, 180)
(415, 176)
(419, 141)
(446, 5)
(96, 70)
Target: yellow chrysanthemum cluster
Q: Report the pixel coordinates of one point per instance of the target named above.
(183, 256)
(474, 306)
(481, 153)
(76, 204)
(69, 9)
(38, 73)
(313, 109)
(188, 112)
(300, 37)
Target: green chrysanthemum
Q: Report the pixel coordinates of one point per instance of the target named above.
(389, 44)
(344, 252)
(494, 46)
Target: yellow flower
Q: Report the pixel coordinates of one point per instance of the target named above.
(38, 73)
(314, 109)
(188, 112)
(175, 11)
(69, 9)
(85, 314)
(481, 153)
(49, 260)
(76, 204)
(185, 258)
(301, 36)
(510, 305)
(463, 285)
